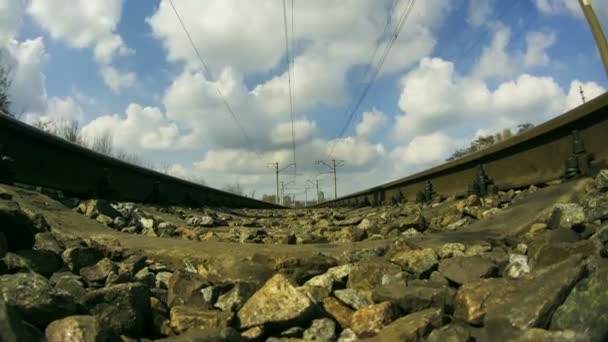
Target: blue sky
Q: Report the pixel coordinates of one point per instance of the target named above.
(459, 68)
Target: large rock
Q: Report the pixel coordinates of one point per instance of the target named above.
(98, 273)
(508, 304)
(234, 299)
(601, 180)
(323, 329)
(410, 328)
(551, 253)
(122, 308)
(12, 328)
(449, 333)
(93, 208)
(35, 299)
(517, 267)
(566, 216)
(366, 276)
(184, 288)
(70, 283)
(462, 270)
(184, 317)
(414, 298)
(418, 261)
(78, 257)
(17, 228)
(328, 279)
(29, 260)
(352, 298)
(451, 249)
(47, 242)
(368, 321)
(277, 302)
(581, 309)
(596, 208)
(132, 264)
(76, 328)
(338, 311)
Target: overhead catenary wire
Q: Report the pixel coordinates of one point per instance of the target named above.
(402, 20)
(209, 76)
(288, 57)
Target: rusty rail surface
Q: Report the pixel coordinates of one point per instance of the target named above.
(33, 157)
(572, 144)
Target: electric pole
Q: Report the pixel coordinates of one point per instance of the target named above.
(596, 29)
(580, 88)
(332, 167)
(277, 172)
(315, 183)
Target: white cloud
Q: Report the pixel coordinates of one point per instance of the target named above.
(10, 19)
(538, 43)
(330, 39)
(424, 151)
(82, 24)
(465, 100)
(591, 90)
(141, 128)
(358, 154)
(497, 61)
(27, 60)
(370, 123)
(554, 7)
(479, 11)
(304, 131)
(117, 80)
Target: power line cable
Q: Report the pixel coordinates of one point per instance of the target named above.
(404, 16)
(209, 75)
(293, 136)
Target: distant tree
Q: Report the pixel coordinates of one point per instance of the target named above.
(269, 198)
(524, 127)
(70, 131)
(485, 141)
(103, 144)
(5, 84)
(235, 188)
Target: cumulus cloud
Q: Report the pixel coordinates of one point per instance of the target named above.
(553, 7)
(11, 19)
(304, 131)
(27, 61)
(497, 61)
(330, 39)
(141, 128)
(424, 151)
(527, 98)
(90, 24)
(370, 123)
(117, 80)
(479, 11)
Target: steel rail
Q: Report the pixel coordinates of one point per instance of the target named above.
(535, 156)
(33, 157)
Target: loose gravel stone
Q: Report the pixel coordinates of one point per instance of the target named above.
(352, 298)
(322, 329)
(278, 301)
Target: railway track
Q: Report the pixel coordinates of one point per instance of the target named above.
(570, 145)
(567, 146)
(34, 157)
